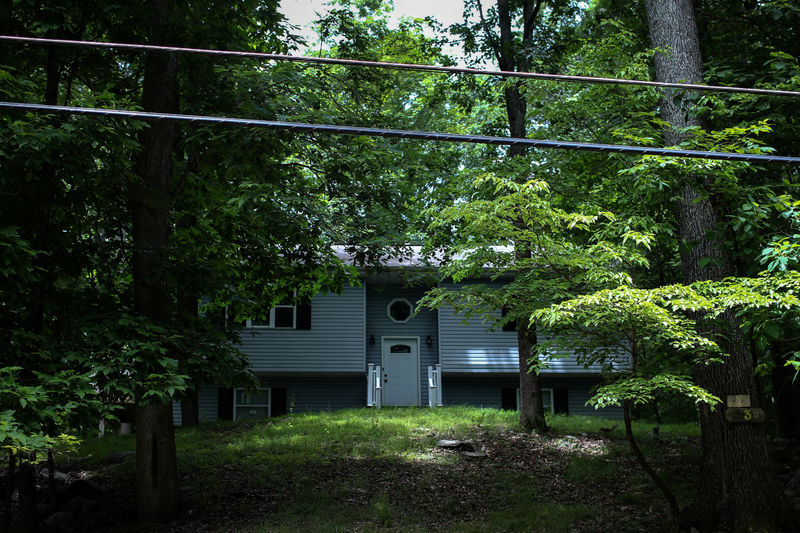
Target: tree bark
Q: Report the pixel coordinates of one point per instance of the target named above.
(25, 520)
(737, 489)
(640, 458)
(10, 482)
(190, 409)
(156, 469)
(530, 384)
(531, 411)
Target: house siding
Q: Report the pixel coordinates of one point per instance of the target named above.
(422, 325)
(320, 393)
(324, 368)
(206, 405)
(335, 342)
(486, 391)
(469, 346)
(303, 394)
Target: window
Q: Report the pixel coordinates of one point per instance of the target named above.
(400, 310)
(283, 315)
(400, 348)
(251, 406)
(547, 400)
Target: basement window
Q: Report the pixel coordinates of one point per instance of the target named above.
(547, 400)
(253, 405)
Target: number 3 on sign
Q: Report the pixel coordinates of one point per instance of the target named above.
(748, 414)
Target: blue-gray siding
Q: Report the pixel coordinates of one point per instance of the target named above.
(486, 391)
(207, 399)
(470, 347)
(335, 342)
(302, 394)
(320, 393)
(422, 325)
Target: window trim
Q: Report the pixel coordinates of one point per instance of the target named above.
(246, 405)
(271, 325)
(545, 390)
(389, 310)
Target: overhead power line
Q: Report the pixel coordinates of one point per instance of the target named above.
(400, 66)
(402, 134)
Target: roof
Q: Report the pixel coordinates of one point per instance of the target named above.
(411, 256)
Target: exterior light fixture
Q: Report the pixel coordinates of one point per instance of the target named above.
(429, 341)
(372, 339)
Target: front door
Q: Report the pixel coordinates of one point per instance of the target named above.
(400, 371)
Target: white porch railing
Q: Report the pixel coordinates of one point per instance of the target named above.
(435, 386)
(374, 389)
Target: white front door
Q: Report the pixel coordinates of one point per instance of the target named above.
(400, 371)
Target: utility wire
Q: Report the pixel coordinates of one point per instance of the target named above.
(403, 134)
(401, 66)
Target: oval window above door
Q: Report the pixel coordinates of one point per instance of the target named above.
(400, 348)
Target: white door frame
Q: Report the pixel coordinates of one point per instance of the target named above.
(393, 338)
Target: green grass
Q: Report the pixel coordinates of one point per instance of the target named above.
(370, 470)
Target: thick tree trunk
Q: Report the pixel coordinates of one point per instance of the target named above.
(530, 384)
(531, 412)
(156, 469)
(41, 222)
(190, 409)
(737, 489)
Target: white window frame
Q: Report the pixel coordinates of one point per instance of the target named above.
(236, 405)
(271, 319)
(549, 392)
(389, 310)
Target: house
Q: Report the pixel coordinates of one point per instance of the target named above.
(319, 357)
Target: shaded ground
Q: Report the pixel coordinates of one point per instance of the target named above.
(578, 482)
(588, 481)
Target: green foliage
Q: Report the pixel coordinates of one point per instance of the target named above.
(783, 251)
(640, 390)
(611, 325)
(511, 229)
(638, 332)
(31, 411)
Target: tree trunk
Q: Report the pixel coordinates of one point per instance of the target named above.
(25, 521)
(531, 412)
(640, 458)
(190, 409)
(156, 469)
(737, 489)
(10, 482)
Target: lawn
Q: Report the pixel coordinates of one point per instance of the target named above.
(370, 470)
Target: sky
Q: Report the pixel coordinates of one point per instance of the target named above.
(302, 12)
